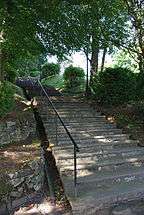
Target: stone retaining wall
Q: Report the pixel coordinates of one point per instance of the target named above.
(15, 130)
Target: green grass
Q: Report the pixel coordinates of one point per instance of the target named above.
(58, 82)
(54, 81)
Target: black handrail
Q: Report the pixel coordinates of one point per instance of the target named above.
(76, 148)
(62, 122)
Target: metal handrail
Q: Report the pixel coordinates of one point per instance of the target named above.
(76, 148)
(62, 122)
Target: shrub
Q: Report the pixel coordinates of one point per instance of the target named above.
(50, 69)
(73, 77)
(114, 86)
(140, 86)
(6, 98)
(34, 73)
(54, 81)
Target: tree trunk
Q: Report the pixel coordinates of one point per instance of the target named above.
(1, 66)
(103, 59)
(94, 57)
(53, 177)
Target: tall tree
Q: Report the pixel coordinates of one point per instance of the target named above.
(135, 10)
(93, 26)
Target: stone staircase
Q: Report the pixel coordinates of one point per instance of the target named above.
(110, 166)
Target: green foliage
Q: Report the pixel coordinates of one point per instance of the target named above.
(50, 69)
(29, 66)
(54, 81)
(6, 98)
(10, 73)
(140, 86)
(73, 77)
(34, 73)
(123, 59)
(114, 86)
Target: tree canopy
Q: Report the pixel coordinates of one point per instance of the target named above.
(58, 28)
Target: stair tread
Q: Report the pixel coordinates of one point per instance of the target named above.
(110, 167)
(92, 153)
(99, 162)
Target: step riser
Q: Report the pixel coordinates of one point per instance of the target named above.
(88, 131)
(81, 124)
(96, 149)
(68, 171)
(87, 134)
(82, 120)
(65, 143)
(99, 155)
(90, 187)
(100, 161)
(64, 139)
(69, 110)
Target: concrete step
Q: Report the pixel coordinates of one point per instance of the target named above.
(102, 147)
(75, 118)
(88, 133)
(101, 174)
(69, 110)
(100, 168)
(109, 177)
(63, 102)
(83, 124)
(100, 204)
(91, 151)
(104, 195)
(100, 160)
(100, 144)
(68, 105)
(83, 135)
(90, 130)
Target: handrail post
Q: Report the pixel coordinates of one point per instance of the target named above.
(75, 171)
(56, 125)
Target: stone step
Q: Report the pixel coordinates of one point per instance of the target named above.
(76, 118)
(94, 196)
(65, 105)
(94, 163)
(101, 172)
(83, 122)
(63, 102)
(70, 110)
(100, 160)
(110, 177)
(89, 130)
(83, 135)
(101, 205)
(113, 145)
(91, 151)
(93, 167)
(101, 143)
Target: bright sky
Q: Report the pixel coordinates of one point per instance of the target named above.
(79, 59)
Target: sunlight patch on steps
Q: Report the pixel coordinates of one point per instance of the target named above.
(131, 159)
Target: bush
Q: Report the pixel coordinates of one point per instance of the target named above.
(140, 86)
(6, 98)
(50, 69)
(34, 73)
(114, 86)
(73, 77)
(54, 81)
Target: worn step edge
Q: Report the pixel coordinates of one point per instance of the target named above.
(126, 153)
(96, 164)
